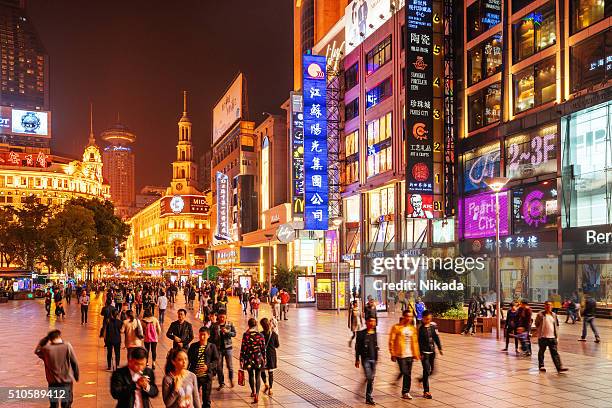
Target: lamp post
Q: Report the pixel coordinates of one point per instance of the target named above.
(337, 222)
(496, 184)
(269, 238)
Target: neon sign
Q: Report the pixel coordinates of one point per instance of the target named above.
(479, 215)
(528, 157)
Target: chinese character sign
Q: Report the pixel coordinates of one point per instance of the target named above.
(297, 152)
(315, 143)
(479, 215)
(223, 206)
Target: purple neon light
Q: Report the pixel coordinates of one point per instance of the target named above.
(479, 215)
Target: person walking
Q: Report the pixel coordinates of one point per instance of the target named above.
(255, 302)
(512, 317)
(354, 320)
(366, 354)
(133, 386)
(244, 299)
(111, 332)
(180, 331)
(272, 343)
(221, 334)
(284, 297)
(138, 302)
(61, 366)
(84, 302)
(473, 311)
(133, 332)
(180, 386)
(152, 333)
(253, 357)
(546, 328)
(588, 317)
(428, 341)
(203, 362)
(523, 327)
(404, 349)
(162, 305)
(370, 310)
(570, 311)
(48, 298)
(119, 300)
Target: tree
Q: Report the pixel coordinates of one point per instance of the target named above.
(70, 231)
(26, 231)
(285, 278)
(7, 245)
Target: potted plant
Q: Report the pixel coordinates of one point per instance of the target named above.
(447, 306)
(451, 321)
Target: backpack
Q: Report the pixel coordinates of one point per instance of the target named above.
(151, 333)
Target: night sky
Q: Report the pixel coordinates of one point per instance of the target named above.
(136, 57)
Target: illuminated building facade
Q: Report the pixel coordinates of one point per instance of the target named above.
(535, 107)
(172, 233)
(119, 167)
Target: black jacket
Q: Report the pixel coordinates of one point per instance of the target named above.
(211, 358)
(183, 331)
(223, 341)
(123, 388)
(272, 344)
(112, 331)
(590, 308)
(429, 339)
(365, 350)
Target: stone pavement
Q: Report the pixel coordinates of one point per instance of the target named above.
(316, 366)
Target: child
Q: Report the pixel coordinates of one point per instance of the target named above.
(59, 310)
(255, 306)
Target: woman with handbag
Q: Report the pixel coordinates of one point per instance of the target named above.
(272, 344)
(253, 357)
(134, 334)
(354, 320)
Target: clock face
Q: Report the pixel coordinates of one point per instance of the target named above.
(177, 204)
(179, 186)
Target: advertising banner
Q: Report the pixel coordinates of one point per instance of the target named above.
(184, 204)
(223, 207)
(479, 215)
(316, 211)
(477, 168)
(362, 18)
(228, 110)
(39, 159)
(5, 119)
(534, 207)
(532, 154)
(33, 123)
(306, 285)
(297, 152)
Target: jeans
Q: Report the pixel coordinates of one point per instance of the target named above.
(138, 308)
(405, 367)
(510, 331)
(244, 307)
(284, 310)
(63, 390)
(109, 354)
(227, 354)
(205, 383)
(427, 361)
(48, 309)
(162, 313)
(470, 325)
(153, 347)
(84, 313)
(254, 379)
(571, 314)
(369, 369)
(552, 346)
(590, 320)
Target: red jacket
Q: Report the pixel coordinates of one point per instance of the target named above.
(284, 298)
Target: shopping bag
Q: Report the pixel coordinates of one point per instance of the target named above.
(241, 377)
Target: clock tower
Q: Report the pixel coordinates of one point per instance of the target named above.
(184, 168)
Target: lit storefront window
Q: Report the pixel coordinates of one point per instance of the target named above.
(591, 61)
(381, 210)
(588, 12)
(378, 56)
(379, 93)
(484, 107)
(534, 32)
(535, 85)
(485, 59)
(351, 143)
(379, 145)
(482, 16)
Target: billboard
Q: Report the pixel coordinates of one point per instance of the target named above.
(228, 110)
(183, 204)
(362, 18)
(306, 289)
(479, 215)
(316, 210)
(35, 123)
(297, 152)
(223, 207)
(534, 207)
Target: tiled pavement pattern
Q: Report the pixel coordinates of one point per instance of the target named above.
(316, 366)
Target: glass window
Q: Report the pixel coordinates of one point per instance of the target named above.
(519, 4)
(351, 174)
(351, 143)
(379, 93)
(485, 59)
(351, 109)
(534, 32)
(588, 12)
(378, 56)
(379, 145)
(482, 16)
(535, 85)
(351, 76)
(591, 61)
(484, 107)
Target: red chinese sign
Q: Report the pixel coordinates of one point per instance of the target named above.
(39, 159)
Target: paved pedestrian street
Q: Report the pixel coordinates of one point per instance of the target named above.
(316, 366)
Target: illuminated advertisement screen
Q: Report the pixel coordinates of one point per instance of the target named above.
(306, 289)
(245, 282)
(532, 154)
(479, 166)
(479, 215)
(5, 119)
(34, 123)
(534, 207)
(184, 204)
(297, 152)
(362, 18)
(223, 205)
(419, 97)
(379, 295)
(315, 142)
(228, 110)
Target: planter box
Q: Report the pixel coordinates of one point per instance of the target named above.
(453, 326)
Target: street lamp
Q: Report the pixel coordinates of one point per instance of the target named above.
(337, 222)
(269, 238)
(496, 184)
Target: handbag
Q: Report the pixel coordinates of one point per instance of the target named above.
(139, 331)
(241, 377)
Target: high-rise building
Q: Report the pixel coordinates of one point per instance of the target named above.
(204, 171)
(119, 167)
(24, 62)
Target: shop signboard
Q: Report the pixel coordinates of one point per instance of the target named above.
(39, 159)
(362, 18)
(532, 154)
(306, 289)
(315, 142)
(296, 129)
(223, 207)
(517, 244)
(479, 218)
(480, 166)
(183, 204)
(596, 238)
(534, 207)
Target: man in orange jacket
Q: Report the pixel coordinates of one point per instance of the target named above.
(404, 348)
